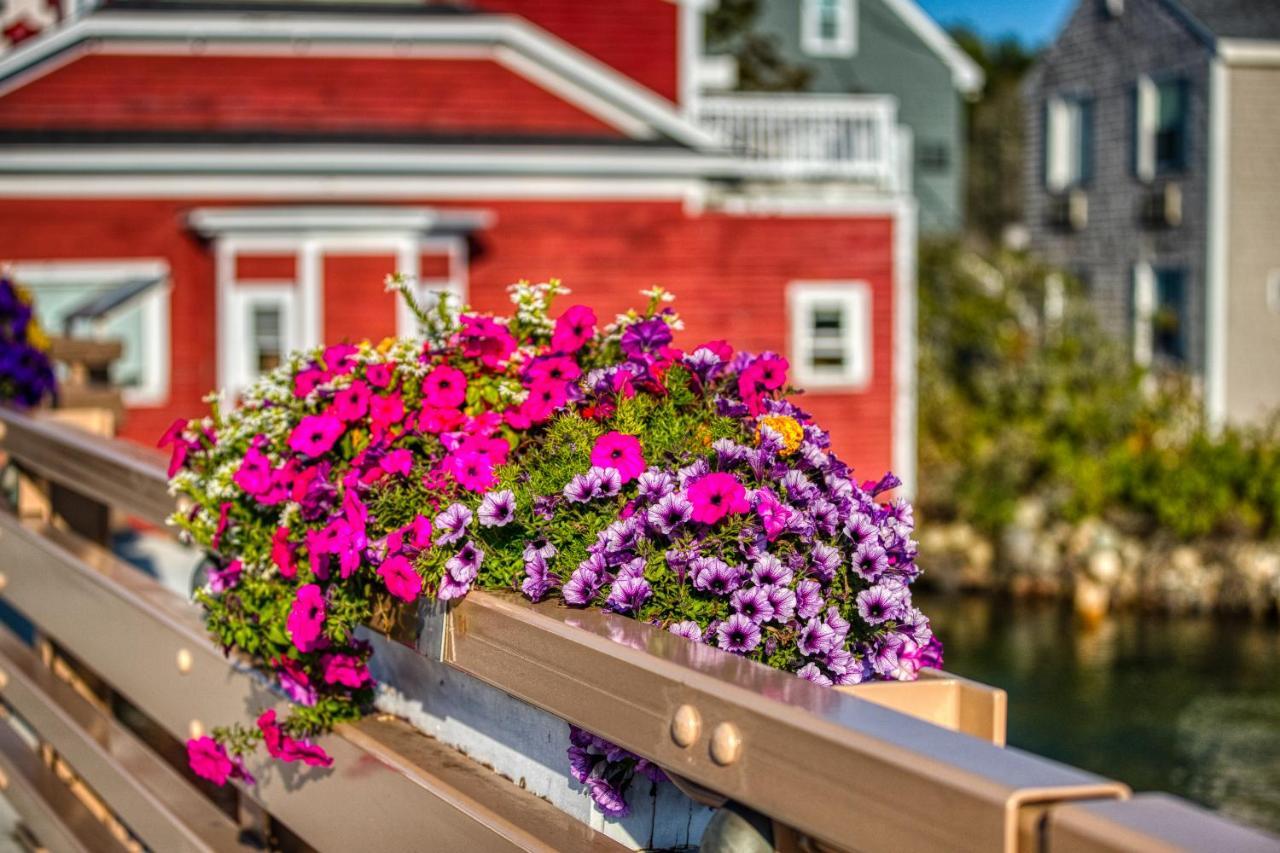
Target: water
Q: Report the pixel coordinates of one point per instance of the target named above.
(1187, 705)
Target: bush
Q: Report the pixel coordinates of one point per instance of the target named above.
(1018, 401)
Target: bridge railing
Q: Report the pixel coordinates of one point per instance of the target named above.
(115, 647)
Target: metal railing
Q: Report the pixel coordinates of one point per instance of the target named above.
(851, 137)
(844, 772)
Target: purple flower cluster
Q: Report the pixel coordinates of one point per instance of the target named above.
(26, 374)
(606, 770)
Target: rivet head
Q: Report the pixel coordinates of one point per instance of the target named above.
(195, 729)
(184, 661)
(4, 580)
(686, 725)
(726, 744)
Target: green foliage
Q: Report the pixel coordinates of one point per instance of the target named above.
(731, 28)
(1012, 405)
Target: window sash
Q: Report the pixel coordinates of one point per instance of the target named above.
(831, 334)
(829, 27)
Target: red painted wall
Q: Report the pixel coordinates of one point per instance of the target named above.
(637, 37)
(283, 93)
(729, 274)
(357, 305)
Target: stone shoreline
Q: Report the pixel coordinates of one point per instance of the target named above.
(1100, 566)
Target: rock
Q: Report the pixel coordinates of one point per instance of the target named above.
(1029, 513)
(1105, 566)
(1091, 601)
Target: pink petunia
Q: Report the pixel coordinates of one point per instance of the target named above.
(621, 452)
(556, 368)
(315, 435)
(400, 577)
(181, 446)
(380, 375)
(544, 399)
(295, 682)
(306, 618)
(720, 347)
(766, 373)
(347, 670)
(574, 329)
(486, 339)
(435, 421)
(445, 387)
(351, 403)
(398, 461)
(282, 553)
(340, 358)
(716, 495)
(307, 380)
(224, 521)
(282, 746)
(774, 517)
(385, 412)
(473, 471)
(209, 760)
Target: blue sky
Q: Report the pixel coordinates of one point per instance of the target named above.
(1034, 22)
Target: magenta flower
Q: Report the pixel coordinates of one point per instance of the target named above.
(254, 473)
(486, 339)
(385, 412)
(398, 461)
(555, 368)
(306, 618)
(398, 574)
(282, 553)
(379, 375)
(282, 746)
(315, 435)
(347, 670)
(621, 452)
(351, 403)
(221, 580)
(774, 516)
(544, 399)
(738, 634)
(574, 329)
(445, 387)
(295, 682)
(473, 471)
(209, 760)
(716, 495)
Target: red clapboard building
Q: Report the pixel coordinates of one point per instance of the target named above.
(219, 183)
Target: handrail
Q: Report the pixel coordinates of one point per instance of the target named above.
(617, 677)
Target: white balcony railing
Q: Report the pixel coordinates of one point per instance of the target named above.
(798, 135)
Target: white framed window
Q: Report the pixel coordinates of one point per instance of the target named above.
(830, 334)
(1162, 130)
(264, 321)
(1068, 142)
(829, 27)
(1160, 312)
(125, 300)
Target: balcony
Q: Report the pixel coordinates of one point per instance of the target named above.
(852, 138)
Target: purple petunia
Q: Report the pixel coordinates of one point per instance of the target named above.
(768, 570)
(738, 634)
(670, 513)
(451, 524)
(584, 487)
(808, 599)
(645, 336)
(497, 509)
(538, 580)
(816, 638)
(860, 529)
(687, 629)
(752, 603)
(810, 672)
(465, 565)
(654, 484)
(629, 594)
(714, 575)
(825, 561)
(783, 601)
(877, 605)
(870, 561)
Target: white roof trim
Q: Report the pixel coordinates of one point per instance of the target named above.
(965, 73)
(212, 221)
(1249, 51)
(558, 60)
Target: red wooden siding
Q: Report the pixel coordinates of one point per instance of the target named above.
(301, 94)
(637, 37)
(356, 302)
(272, 268)
(730, 275)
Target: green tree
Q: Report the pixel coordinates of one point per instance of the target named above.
(761, 66)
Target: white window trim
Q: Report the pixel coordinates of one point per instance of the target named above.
(154, 304)
(1064, 142)
(855, 301)
(244, 300)
(1273, 291)
(845, 42)
(1145, 133)
(1144, 310)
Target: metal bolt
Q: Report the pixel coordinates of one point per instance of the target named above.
(184, 661)
(726, 744)
(4, 580)
(686, 725)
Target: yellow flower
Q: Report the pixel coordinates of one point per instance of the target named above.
(703, 435)
(787, 427)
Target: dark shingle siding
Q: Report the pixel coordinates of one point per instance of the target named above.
(1242, 19)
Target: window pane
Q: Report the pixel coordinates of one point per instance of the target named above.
(827, 330)
(828, 20)
(1169, 321)
(1171, 109)
(268, 341)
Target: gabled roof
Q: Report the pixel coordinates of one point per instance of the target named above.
(519, 46)
(1236, 19)
(965, 73)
